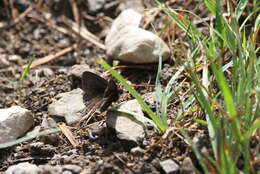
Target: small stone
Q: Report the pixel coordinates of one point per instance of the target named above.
(14, 58)
(135, 45)
(187, 167)
(149, 98)
(48, 169)
(200, 141)
(69, 105)
(133, 106)
(75, 74)
(169, 166)
(64, 42)
(72, 168)
(38, 33)
(126, 18)
(23, 168)
(3, 60)
(63, 70)
(10, 118)
(66, 159)
(137, 151)
(127, 127)
(36, 145)
(86, 171)
(38, 73)
(67, 172)
(48, 122)
(77, 70)
(47, 72)
(94, 6)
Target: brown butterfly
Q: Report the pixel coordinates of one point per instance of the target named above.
(98, 91)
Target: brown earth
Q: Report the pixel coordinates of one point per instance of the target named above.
(39, 36)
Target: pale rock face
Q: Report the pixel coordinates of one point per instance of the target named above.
(135, 45)
(69, 105)
(127, 128)
(23, 168)
(126, 18)
(129, 43)
(14, 122)
(169, 166)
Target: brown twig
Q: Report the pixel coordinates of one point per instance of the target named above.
(84, 33)
(135, 67)
(150, 16)
(123, 162)
(75, 11)
(9, 69)
(73, 30)
(18, 19)
(53, 56)
(65, 130)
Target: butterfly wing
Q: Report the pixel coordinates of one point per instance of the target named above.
(94, 87)
(110, 95)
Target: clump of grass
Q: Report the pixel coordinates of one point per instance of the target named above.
(26, 70)
(165, 96)
(160, 124)
(24, 74)
(233, 109)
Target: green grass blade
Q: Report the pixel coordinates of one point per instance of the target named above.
(240, 8)
(182, 112)
(173, 79)
(158, 91)
(182, 22)
(257, 22)
(26, 70)
(251, 130)
(26, 138)
(137, 116)
(212, 6)
(212, 122)
(196, 151)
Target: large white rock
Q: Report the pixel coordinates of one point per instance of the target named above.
(126, 18)
(69, 105)
(135, 45)
(14, 122)
(129, 43)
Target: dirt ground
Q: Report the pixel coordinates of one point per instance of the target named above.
(46, 30)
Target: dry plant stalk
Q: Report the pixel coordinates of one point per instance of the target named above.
(53, 56)
(65, 130)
